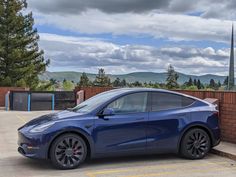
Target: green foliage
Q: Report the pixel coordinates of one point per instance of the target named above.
(172, 77)
(68, 85)
(45, 86)
(193, 87)
(84, 80)
(102, 80)
(21, 83)
(21, 60)
(5, 81)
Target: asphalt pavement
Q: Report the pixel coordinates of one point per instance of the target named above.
(12, 164)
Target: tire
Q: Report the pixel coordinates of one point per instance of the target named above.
(195, 144)
(68, 151)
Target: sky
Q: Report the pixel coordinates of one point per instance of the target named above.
(124, 36)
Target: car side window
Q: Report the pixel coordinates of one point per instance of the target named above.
(165, 101)
(132, 103)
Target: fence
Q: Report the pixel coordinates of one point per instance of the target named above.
(35, 101)
(227, 107)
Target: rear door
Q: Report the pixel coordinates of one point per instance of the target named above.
(168, 113)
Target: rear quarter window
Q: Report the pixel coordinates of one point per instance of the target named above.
(164, 101)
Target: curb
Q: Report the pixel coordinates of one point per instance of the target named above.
(224, 154)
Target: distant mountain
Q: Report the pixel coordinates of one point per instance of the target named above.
(131, 77)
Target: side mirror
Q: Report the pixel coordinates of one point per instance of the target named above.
(107, 112)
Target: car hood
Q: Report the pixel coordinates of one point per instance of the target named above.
(54, 117)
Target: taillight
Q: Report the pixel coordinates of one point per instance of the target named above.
(217, 114)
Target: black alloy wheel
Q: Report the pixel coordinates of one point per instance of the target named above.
(68, 151)
(195, 144)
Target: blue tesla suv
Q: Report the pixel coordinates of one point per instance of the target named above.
(123, 122)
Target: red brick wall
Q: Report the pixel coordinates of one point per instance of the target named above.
(227, 107)
(91, 91)
(4, 90)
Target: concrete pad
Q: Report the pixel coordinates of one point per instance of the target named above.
(226, 149)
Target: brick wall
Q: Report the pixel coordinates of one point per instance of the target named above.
(227, 107)
(91, 91)
(4, 90)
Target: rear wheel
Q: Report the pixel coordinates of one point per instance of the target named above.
(68, 151)
(195, 144)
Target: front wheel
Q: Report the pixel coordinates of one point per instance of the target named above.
(195, 144)
(68, 151)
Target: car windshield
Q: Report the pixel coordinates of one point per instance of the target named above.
(92, 103)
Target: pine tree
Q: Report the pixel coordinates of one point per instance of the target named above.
(102, 80)
(84, 80)
(123, 83)
(117, 82)
(172, 77)
(226, 81)
(219, 84)
(212, 84)
(199, 84)
(195, 82)
(21, 60)
(190, 82)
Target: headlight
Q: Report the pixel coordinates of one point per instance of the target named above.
(42, 127)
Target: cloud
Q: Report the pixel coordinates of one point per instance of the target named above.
(171, 27)
(108, 6)
(89, 54)
(210, 8)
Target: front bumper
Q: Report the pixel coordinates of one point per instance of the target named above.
(31, 146)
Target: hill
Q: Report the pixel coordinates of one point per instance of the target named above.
(131, 77)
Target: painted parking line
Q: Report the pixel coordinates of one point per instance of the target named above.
(21, 118)
(171, 173)
(173, 166)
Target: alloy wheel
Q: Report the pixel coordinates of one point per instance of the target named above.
(69, 152)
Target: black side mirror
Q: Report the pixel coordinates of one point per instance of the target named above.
(106, 112)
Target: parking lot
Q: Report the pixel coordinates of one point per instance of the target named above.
(12, 164)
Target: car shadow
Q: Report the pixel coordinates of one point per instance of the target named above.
(36, 164)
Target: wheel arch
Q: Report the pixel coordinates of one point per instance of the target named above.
(77, 132)
(200, 126)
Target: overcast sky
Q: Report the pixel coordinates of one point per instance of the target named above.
(126, 36)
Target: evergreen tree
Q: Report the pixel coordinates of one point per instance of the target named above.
(195, 82)
(212, 84)
(117, 82)
(137, 84)
(219, 84)
(199, 84)
(84, 80)
(102, 80)
(172, 77)
(226, 81)
(190, 82)
(21, 60)
(123, 83)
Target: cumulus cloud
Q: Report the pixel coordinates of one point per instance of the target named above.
(172, 27)
(89, 54)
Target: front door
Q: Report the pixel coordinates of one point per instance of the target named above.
(125, 130)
